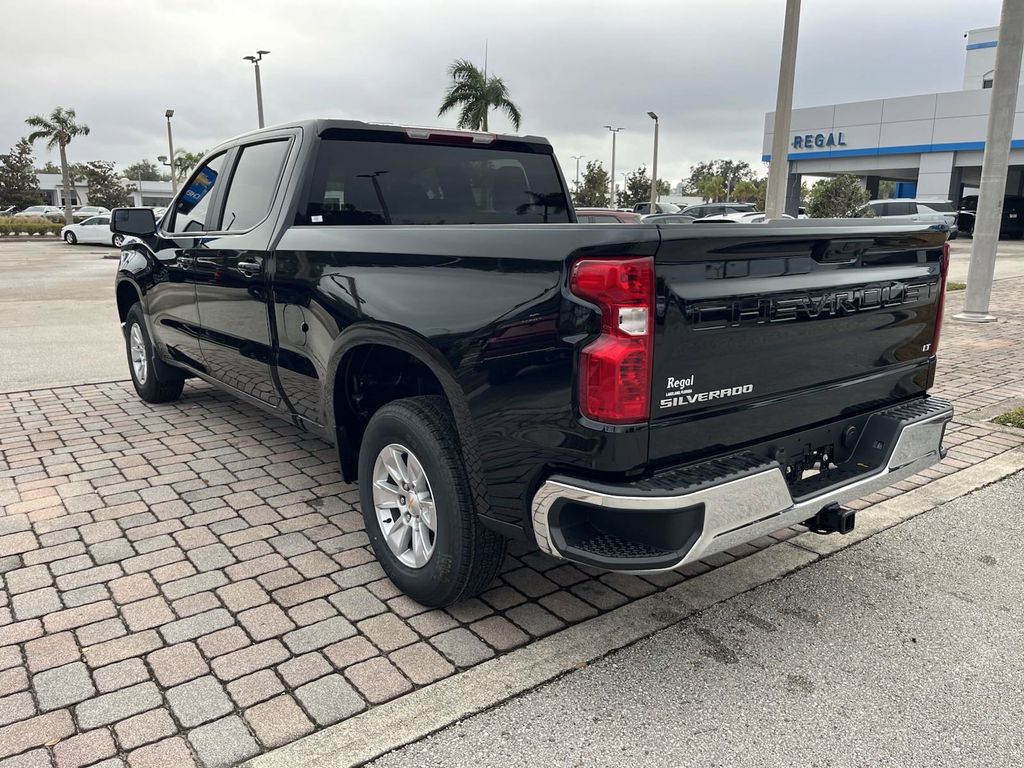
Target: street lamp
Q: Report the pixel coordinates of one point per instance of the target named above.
(259, 87)
(577, 158)
(612, 174)
(170, 148)
(654, 170)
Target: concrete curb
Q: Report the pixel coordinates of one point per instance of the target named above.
(416, 715)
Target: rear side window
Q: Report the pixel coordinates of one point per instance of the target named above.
(902, 209)
(388, 182)
(191, 208)
(936, 206)
(253, 184)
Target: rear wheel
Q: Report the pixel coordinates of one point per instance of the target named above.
(154, 380)
(69, 238)
(417, 505)
(117, 240)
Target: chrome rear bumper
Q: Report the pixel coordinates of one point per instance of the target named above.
(739, 507)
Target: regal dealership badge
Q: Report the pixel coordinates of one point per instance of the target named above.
(680, 391)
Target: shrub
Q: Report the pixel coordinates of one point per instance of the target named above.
(9, 225)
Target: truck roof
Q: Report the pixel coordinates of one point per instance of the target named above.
(320, 126)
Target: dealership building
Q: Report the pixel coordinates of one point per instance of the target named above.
(143, 193)
(930, 145)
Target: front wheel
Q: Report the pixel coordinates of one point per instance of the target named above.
(117, 240)
(69, 238)
(417, 505)
(154, 380)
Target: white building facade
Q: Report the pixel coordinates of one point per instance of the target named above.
(143, 193)
(931, 145)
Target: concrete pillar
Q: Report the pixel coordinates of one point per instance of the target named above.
(793, 194)
(935, 176)
(871, 185)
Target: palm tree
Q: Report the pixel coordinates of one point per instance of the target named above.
(59, 129)
(476, 94)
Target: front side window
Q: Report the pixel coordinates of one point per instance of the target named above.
(253, 184)
(394, 182)
(91, 222)
(193, 205)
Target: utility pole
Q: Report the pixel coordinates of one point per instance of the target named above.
(577, 158)
(778, 169)
(259, 86)
(654, 170)
(170, 148)
(985, 239)
(612, 174)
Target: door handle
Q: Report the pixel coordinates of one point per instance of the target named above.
(249, 266)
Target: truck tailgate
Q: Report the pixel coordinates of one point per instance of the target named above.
(763, 329)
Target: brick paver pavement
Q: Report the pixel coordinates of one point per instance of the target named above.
(191, 582)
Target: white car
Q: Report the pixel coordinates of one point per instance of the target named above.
(749, 217)
(941, 211)
(41, 211)
(94, 230)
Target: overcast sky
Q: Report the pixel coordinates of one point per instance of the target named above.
(708, 68)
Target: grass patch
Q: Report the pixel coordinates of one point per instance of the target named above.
(1014, 418)
(955, 286)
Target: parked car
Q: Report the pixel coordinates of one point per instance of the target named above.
(703, 210)
(88, 211)
(615, 396)
(1011, 226)
(41, 211)
(750, 217)
(94, 230)
(918, 210)
(658, 208)
(7, 210)
(667, 218)
(605, 216)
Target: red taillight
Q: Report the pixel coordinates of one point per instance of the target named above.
(941, 304)
(615, 369)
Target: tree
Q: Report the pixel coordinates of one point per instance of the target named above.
(58, 130)
(838, 197)
(184, 162)
(751, 192)
(49, 167)
(475, 94)
(105, 186)
(145, 170)
(728, 173)
(18, 183)
(664, 188)
(592, 190)
(636, 189)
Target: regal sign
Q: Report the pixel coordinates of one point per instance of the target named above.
(819, 140)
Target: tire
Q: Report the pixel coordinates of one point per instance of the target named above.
(69, 238)
(117, 240)
(464, 555)
(154, 380)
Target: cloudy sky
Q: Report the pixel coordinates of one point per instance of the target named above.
(708, 68)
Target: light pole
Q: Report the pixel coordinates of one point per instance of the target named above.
(654, 170)
(259, 87)
(985, 238)
(170, 148)
(577, 158)
(778, 169)
(612, 174)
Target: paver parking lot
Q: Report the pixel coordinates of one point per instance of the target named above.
(190, 583)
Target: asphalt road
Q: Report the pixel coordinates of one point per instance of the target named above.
(58, 321)
(904, 650)
(58, 316)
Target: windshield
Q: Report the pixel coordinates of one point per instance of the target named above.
(394, 182)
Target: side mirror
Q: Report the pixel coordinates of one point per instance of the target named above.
(139, 222)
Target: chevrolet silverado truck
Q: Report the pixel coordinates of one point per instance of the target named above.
(632, 398)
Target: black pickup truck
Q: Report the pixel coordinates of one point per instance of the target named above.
(629, 397)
